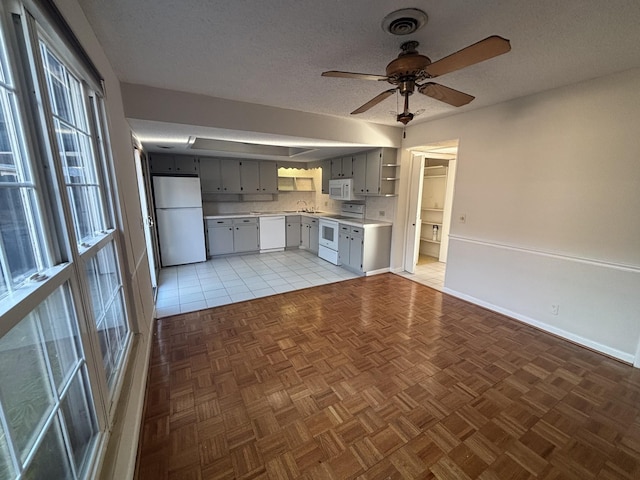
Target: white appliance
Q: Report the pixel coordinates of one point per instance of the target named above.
(179, 220)
(341, 189)
(272, 233)
(330, 229)
(328, 241)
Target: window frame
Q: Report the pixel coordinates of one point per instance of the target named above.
(24, 25)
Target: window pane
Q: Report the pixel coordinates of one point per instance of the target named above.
(76, 155)
(44, 348)
(108, 307)
(26, 398)
(85, 204)
(51, 460)
(8, 172)
(75, 148)
(6, 466)
(61, 337)
(3, 284)
(80, 422)
(57, 83)
(18, 232)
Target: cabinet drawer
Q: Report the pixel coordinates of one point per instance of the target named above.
(357, 231)
(245, 221)
(221, 222)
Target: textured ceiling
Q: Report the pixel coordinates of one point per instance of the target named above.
(273, 52)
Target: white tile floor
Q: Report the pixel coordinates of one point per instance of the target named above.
(187, 288)
(429, 272)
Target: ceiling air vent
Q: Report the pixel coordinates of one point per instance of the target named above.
(404, 22)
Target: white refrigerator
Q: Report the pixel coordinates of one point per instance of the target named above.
(179, 220)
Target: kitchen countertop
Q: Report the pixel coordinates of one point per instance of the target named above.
(333, 216)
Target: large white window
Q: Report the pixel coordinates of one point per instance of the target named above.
(64, 326)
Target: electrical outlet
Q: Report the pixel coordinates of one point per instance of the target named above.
(381, 213)
(555, 309)
(326, 203)
(462, 218)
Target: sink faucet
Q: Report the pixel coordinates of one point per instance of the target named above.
(298, 206)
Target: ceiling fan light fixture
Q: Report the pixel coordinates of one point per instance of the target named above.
(405, 21)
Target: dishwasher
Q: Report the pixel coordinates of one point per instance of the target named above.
(272, 233)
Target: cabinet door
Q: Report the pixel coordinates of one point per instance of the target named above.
(355, 252)
(347, 167)
(343, 245)
(186, 164)
(314, 235)
(293, 233)
(162, 163)
(210, 179)
(326, 175)
(305, 230)
(336, 168)
(245, 237)
(230, 174)
(220, 240)
(359, 166)
(249, 176)
(374, 163)
(268, 177)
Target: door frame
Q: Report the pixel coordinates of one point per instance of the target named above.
(148, 216)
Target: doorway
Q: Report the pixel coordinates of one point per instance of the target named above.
(148, 221)
(432, 181)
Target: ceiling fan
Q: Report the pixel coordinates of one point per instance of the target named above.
(410, 68)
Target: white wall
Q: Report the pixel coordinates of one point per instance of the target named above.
(550, 185)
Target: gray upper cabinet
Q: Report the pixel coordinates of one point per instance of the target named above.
(360, 173)
(341, 167)
(326, 175)
(230, 175)
(210, 179)
(268, 177)
(173, 164)
(375, 172)
(250, 176)
(372, 181)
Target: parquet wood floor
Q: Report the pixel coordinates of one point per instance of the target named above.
(380, 378)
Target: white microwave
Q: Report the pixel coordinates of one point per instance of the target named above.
(341, 189)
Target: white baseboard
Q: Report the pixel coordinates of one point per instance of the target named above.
(612, 352)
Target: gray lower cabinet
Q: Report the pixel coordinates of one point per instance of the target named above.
(293, 231)
(246, 235)
(220, 237)
(232, 235)
(364, 250)
(344, 235)
(309, 233)
(350, 244)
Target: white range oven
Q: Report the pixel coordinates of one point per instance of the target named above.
(328, 241)
(330, 228)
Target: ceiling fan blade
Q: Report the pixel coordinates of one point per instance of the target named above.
(359, 76)
(445, 94)
(374, 101)
(478, 52)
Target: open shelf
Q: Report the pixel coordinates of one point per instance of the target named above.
(429, 240)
